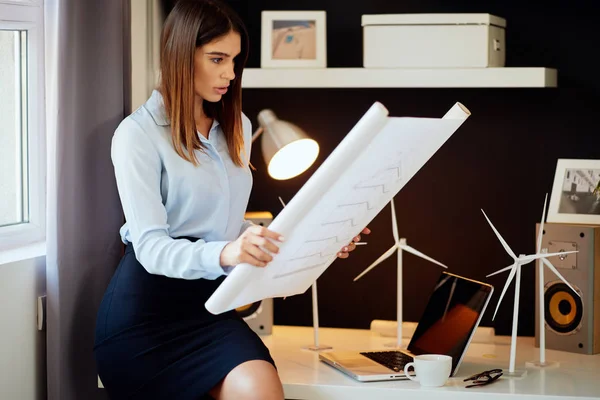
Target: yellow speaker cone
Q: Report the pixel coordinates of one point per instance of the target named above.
(248, 309)
(555, 312)
(244, 308)
(563, 308)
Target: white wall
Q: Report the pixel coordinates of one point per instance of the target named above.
(22, 346)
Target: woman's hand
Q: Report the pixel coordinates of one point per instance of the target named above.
(345, 251)
(254, 247)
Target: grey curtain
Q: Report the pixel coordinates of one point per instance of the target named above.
(86, 85)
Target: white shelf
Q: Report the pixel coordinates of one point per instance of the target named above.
(398, 78)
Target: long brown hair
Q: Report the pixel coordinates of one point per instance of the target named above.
(191, 24)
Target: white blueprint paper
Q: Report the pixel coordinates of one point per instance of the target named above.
(364, 172)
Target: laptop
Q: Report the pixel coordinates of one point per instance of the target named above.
(451, 316)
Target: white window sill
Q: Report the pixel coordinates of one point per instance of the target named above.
(21, 253)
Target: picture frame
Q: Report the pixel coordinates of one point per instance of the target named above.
(575, 194)
(293, 39)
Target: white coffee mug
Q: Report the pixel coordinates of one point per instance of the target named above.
(430, 369)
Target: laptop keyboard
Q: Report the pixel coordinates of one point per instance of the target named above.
(394, 360)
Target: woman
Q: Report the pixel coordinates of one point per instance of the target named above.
(182, 168)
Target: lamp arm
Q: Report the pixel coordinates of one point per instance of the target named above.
(257, 133)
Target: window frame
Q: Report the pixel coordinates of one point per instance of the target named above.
(29, 15)
(145, 29)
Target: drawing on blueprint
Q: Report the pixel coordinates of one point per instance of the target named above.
(358, 179)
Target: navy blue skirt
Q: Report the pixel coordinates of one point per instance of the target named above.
(156, 340)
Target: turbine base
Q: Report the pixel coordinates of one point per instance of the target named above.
(542, 365)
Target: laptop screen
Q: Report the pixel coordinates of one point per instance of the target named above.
(452, 313)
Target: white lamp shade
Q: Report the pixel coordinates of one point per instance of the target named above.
(287, 150)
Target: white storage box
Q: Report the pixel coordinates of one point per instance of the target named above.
(433, 41)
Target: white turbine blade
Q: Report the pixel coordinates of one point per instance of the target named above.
(541, 231)
(530, 258)
(500, 271)
(394, 222)
(508, 281)
(384, 256)
(419, 254)
(562, 278)
(439, 285)
(504, 244)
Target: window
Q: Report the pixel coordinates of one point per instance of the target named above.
(22, 133)
(14, 207)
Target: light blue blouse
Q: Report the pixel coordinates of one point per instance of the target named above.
(165, 197)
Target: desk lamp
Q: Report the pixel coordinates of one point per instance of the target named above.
(286, 149)
(288, 152)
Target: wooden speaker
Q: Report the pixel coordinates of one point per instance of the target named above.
(572, 320)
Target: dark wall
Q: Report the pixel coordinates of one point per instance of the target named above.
(502, 159)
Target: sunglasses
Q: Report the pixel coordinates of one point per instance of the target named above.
(484, 378)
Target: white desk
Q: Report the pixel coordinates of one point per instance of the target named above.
(305, 377)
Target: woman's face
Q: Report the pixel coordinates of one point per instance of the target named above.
(213, 66)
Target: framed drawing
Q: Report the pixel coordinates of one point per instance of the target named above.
(576, 192)
(293, 39)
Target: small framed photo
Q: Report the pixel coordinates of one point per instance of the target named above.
(576, 192)
(293, 39)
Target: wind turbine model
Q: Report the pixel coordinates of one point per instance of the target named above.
(315, 312)
(542, 309)
(399, 245)
(515, 270)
